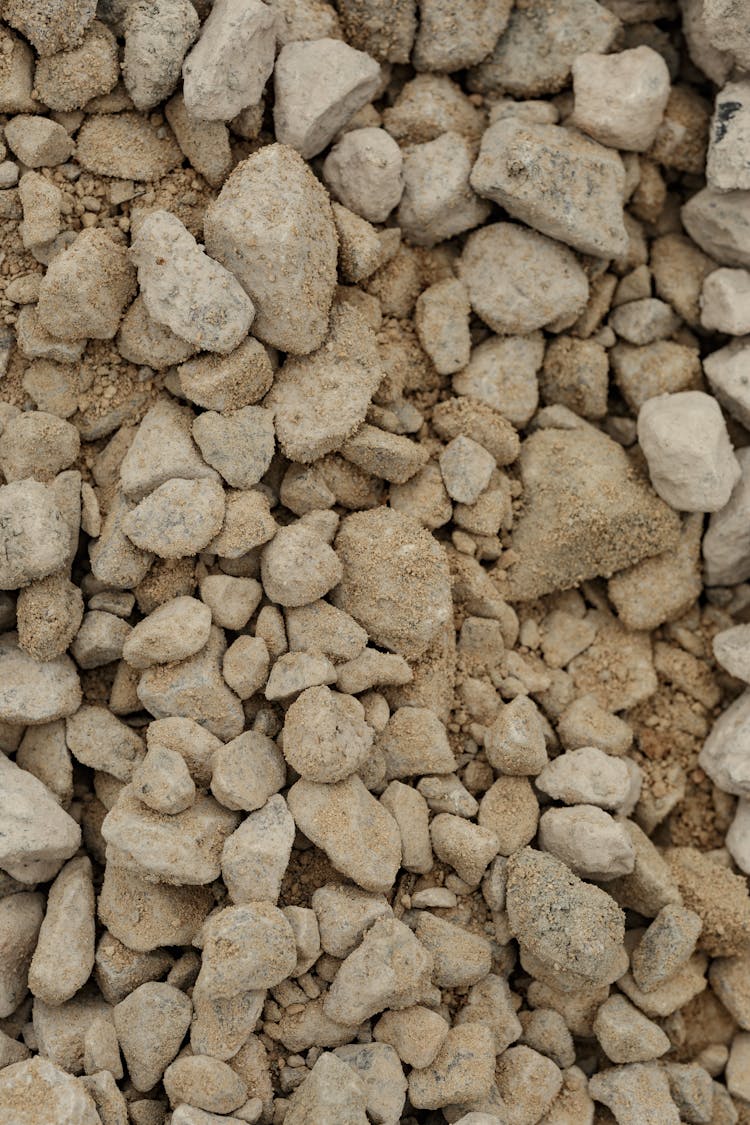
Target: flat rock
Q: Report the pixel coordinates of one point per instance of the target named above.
(177, 519)
(586, 513)
(272, 227)
(126, 146)
(359, 837)
(182, 849)
(568, 930)
(33, 533)
(38, 836)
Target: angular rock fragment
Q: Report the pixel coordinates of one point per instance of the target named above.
(151, 1023)
(232, 61)
(313, 414)
(156, 40)
(33, 534)
(593, 513)
(536, 172)
(182, 849)
(359, 837)
(246, 947)
(182, 288)
(272, 227)
(179, 518)
(38, 836)
(319, 85)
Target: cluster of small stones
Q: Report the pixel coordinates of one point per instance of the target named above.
(374, 562)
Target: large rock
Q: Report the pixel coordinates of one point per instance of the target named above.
(557, 181)
(570, 933)
(359, 837)
(396, 582)
(587, 512)
(36, 1092)
(181, 849)
(37, 835)
(272, 227)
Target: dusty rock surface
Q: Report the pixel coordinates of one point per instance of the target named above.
(374, 562)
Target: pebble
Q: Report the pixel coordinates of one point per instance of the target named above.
(240, 446)
(738, 836)
(37, 1092)
(298, 567)
(588, 776)
(205, 1083)
(401, 608)
(283, 256)
(461, 958)
(21, 915)
(175, 630)
(64, 955)
(724, 370)
(184, 289)
(246, 771)
(515, 742)
(230, 382)
(320, 400)
(462, 1071)
(319, 85)
(177, 519)
(620, 98)
(245, 948)
(389, 969)
(589, 841)
(724, 301)
(728, 137)
(33, 533)
(156, 41)
(326, 737)
(339, 818)
(466, 847)
(416, 1034)
(438, 201)
(665, 947)
(718, 223)
(414, 741)
(246, 665)
(184, 848)
(333, 1090)
(101, 741)
(466, 468)
(626, 1035)
(378, 1065)
(364, 171)
(570, 933)
(33, 693)
(163, 782)
(86, 288)
(590, 221)
(724, 545)
(728, 976)
(690, 477)
(69, 79)
(37, 141)
(518, 280)
(151, 1023)
(637, 1094)
(228, 68)
(255, 857)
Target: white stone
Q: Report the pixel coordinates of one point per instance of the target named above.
(732, 650)
(588, 776)
(690, 458)
(724, 756)
(727, 166)
(227, 69)
(365, 172)
(194, 296)
(38, 836)
(319, 85)
(156, 39)
(726, 543)
(620, 98)
(738, 837)
(588, 840)
(725, 301)
(728, 373)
